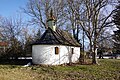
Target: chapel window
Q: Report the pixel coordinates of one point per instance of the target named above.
(72, 50)
(56, 50)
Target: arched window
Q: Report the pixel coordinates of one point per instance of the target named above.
(56, 50)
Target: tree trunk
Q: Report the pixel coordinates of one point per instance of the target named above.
(90, 47)
(94, 54)
(94, 57)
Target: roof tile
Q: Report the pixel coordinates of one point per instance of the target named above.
(58, 37)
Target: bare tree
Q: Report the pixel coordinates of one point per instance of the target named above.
(39, 11)
(12, 30)
(72, 10)
(93, 19)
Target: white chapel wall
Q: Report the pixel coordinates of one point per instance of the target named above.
(45, 54)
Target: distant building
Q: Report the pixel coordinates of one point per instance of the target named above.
(3, 44)
(55, 47)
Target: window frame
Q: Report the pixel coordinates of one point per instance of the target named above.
(56, 50)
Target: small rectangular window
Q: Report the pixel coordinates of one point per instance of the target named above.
(56, 50)
(72, 50)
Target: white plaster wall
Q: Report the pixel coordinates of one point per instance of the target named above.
(76, 54)
(45, 54)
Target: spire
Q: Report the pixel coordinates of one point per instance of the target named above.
(51, 16)
(51, 13)
(51, 21)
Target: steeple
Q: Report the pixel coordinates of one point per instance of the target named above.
(51, 13)
(51, 21)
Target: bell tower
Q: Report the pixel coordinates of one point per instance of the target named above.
(51, 21)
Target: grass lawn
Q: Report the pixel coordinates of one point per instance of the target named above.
(109, 69)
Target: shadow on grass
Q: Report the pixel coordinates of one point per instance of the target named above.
(26, 61)
(14, 61)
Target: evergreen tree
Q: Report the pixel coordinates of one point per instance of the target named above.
(38, 35)
(15, 49)
(28, 47)
(116, 20)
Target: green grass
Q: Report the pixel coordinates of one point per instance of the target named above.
(109, 69)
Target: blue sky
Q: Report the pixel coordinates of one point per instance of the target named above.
(9, 8)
